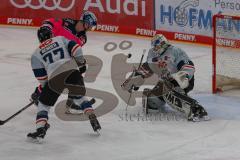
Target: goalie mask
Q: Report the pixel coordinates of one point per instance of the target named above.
(89, 20)
(159, 43)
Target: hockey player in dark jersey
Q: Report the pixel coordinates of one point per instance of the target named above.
(47, 58)
(176, 78)
(72, 29)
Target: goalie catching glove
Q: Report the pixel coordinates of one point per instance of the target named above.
(182, 79)
(134, 81)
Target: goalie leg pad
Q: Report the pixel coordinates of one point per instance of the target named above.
(177, 103)
(183, 103)
(150, 102)
(174, 100)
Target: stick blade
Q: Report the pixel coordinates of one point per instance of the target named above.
(2, 122)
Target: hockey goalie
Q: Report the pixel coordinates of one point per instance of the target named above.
(176, 79)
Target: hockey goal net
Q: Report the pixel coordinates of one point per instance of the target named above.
(226, 53)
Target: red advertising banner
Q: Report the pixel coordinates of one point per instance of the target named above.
(113, 15)
(177, 36)
(119, 16)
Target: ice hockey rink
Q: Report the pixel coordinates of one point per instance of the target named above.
(217, 139)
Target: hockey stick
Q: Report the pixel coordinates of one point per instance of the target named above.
(2, 122)
(130, 96)
(144, 51)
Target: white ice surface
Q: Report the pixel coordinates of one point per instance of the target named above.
(217, 139)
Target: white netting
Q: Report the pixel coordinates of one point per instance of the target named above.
(227, 52)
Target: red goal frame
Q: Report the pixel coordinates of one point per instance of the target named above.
(214, 46)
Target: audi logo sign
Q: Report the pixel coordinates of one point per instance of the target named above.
(43, 5)
(122, 15)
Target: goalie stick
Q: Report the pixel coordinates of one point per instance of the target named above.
(130, 96)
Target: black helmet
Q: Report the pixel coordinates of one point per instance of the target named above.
(44, 33)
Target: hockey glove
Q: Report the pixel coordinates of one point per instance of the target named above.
(182, 79)
(83, 38)
(134, 81)
(36, 94)
(82, 69)
(81, 62)
(166, 75)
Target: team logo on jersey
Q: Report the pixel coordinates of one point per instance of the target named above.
(44, 4)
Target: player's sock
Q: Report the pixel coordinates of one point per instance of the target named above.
(79, 105)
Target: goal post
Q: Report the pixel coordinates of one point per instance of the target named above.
(226, 53)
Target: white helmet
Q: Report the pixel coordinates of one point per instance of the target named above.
(159, 43)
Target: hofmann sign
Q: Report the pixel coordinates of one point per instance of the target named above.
(193, 16)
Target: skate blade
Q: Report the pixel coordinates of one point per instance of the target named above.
(196, 119)
(205, 118)
(35, 140)
(97, 129)
(97, 132)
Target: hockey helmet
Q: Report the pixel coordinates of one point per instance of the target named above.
(159, 43)
(44, 33)
(89, 20)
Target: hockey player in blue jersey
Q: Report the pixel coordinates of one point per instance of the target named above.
(176, 78)
(50, 55)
